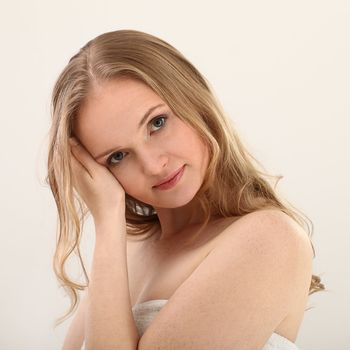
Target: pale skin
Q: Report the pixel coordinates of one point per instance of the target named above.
(256, 276)
(110, 118)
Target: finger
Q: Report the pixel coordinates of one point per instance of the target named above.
(82, 156)
(78, 171)
(77, 181)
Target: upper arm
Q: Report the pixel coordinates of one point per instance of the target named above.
(75, 335)
(242, 290)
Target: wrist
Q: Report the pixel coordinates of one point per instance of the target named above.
(107, 211)
(111, 217)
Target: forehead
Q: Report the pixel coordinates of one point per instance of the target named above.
(118, 95)
(111, 106)
(121, 98)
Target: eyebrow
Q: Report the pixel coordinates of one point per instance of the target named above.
(142, 121)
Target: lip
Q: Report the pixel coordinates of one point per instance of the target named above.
(171, 180)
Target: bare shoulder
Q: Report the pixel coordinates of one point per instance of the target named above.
(268, 235)
(269, 229)
(244, 289)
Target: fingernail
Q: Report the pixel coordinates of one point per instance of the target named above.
(73, 141)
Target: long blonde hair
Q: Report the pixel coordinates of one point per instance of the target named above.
(235, 183)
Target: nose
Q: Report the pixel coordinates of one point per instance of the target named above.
(153, 162)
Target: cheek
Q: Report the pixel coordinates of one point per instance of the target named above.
(181, 137)
(121, 178)
(129, 180)
(192, 143)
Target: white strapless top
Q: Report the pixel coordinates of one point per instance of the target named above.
(145, 312)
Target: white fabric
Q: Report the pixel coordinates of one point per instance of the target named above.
(145, 312)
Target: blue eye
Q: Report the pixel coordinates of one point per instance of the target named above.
(160, 117)
(109, 162)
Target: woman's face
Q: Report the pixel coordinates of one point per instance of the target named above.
(140, 157)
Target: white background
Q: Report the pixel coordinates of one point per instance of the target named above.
(279, 68)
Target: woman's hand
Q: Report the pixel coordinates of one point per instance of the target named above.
(98, 187)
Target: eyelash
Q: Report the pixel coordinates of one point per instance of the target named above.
(162, 116)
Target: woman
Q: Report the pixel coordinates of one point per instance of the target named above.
(194, 248)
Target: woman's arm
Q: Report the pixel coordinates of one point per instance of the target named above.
(109, 321)
(75, 335)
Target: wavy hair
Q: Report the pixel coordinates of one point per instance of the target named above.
(235, 183)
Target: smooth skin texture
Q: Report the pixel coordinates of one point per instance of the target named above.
(108, 316)
(256, 276)
(109, 118)
(236, 298)
(99, 189)
(244, 288)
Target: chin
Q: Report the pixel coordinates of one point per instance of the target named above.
(175, 200)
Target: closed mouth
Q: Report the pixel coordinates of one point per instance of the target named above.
(177, 172)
